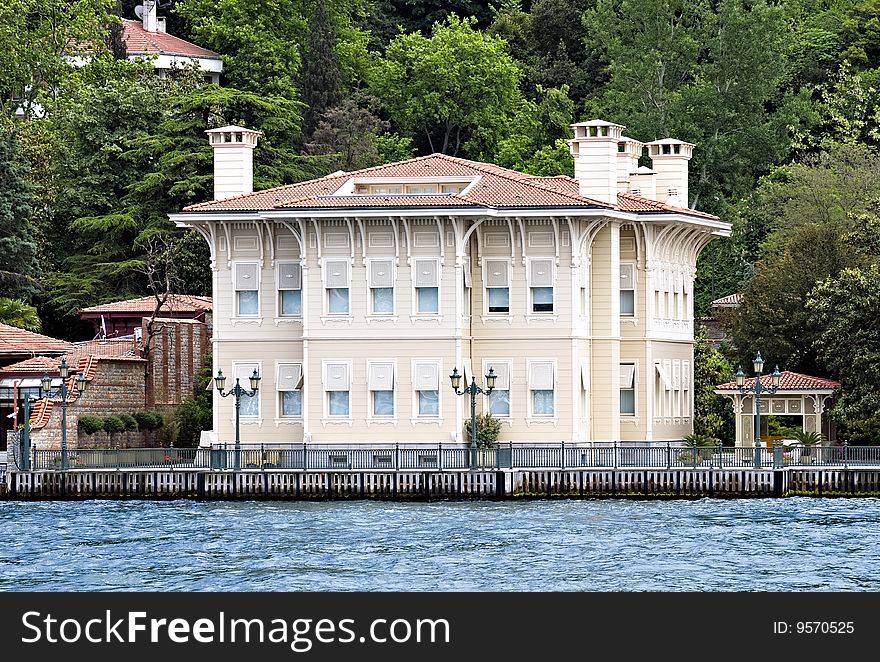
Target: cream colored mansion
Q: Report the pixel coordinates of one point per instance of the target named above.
(355, 295)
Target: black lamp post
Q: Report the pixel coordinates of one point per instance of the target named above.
(757, 390)
(237, 391)
(472, 390)
(46, 384)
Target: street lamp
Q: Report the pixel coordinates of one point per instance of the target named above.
(46, 387)
(237, 391)
(472, 390)
(758, 389)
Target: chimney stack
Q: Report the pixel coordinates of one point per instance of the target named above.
(643, 183)
(669, 158)
(233, 160)
(629, 151)
(150, 19)
(594, 149)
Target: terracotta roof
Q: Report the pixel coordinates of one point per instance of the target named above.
(139, 41)
(176, 303)
(108, 348)
(492, 186)
(37, 365)
(790, 381)
(729, 300)
(14, 341)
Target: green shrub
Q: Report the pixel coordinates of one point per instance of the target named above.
(192, 417)
(113, 424)
(149, 419)
(488, 430)
(131, 424)
(91, 424)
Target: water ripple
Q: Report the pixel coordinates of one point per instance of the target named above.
(794, 544)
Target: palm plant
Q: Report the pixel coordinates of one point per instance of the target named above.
(808, 439)
(17, 313)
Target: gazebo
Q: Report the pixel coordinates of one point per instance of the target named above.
(798, 395)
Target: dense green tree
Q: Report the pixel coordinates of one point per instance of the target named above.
(36, 39)
(453, 91)
(712, 414)
(388, 18)
(18, 313)
(861, 33)
(320, 75)
(18, 252)
(348, 133)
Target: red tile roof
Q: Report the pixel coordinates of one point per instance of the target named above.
(176, 303)
(15, 341)
(493, 186)
(141, 42)
(37, 365)
(790, 381)
(109, 348)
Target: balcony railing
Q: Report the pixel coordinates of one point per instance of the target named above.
(427, 457)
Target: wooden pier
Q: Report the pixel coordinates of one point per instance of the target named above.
(496, 484)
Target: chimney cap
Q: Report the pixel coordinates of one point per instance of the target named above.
(627, 139)
(670, 141)
(644, 170)
(598, 123)
(232, 128)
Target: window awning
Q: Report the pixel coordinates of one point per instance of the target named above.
(664, 376)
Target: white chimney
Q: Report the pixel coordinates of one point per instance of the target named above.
(150, 19)
(629, 151)
(161, 26)
(594, 149)
(233, 160)
(669, 158)
(643, 183)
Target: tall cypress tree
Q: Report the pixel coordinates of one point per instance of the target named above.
(18, 252)
(320, 75)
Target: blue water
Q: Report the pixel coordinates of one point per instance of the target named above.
(792, 544)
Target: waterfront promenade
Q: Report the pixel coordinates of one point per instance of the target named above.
(424, 472)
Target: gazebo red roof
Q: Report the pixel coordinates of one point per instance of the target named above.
(789, 381)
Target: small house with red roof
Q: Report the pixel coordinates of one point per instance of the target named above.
(798, 395)
(122, 318)
(357, 294)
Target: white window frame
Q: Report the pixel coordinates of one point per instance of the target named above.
(370, 261)
(279, 289)
(529, 387)
(244, 381)
(631, 266)
(486, 287)
(416, 416)
(634, 388)
(325, 366)
(325, 272)
(370, 413)
(529, 282)
(415, 288)
(279, 412)
(236, 289)
(487, 363)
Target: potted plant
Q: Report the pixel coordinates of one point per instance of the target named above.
(807, 439)
(488, 431)
(701, 447)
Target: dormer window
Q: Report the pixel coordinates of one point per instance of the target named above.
(405, 186)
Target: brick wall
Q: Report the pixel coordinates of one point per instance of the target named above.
(179, 347)
(117, 388)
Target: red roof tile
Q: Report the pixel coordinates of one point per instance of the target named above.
(108, 348)
(37, 365)
(494, 187)
(139, 41)
(790, 381)
(177, 303)
(15, 341)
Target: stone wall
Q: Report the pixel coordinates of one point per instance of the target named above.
(116, 388)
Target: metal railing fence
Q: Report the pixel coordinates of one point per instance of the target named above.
(422, 457)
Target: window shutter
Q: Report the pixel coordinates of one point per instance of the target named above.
(426, 377)
(289, 276)
(336, 377)
(541, 273)
(685, 375)
(336, 273)
(585, 375)
(502, 374)
(497, 273)
(425, 273)
(627, 280)
(289, 376)
(381, 273)
(243, 372)
(246, 276)
(381, 377)
(541, 376)
(676, 375)
(664, 377)
(627, 375)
